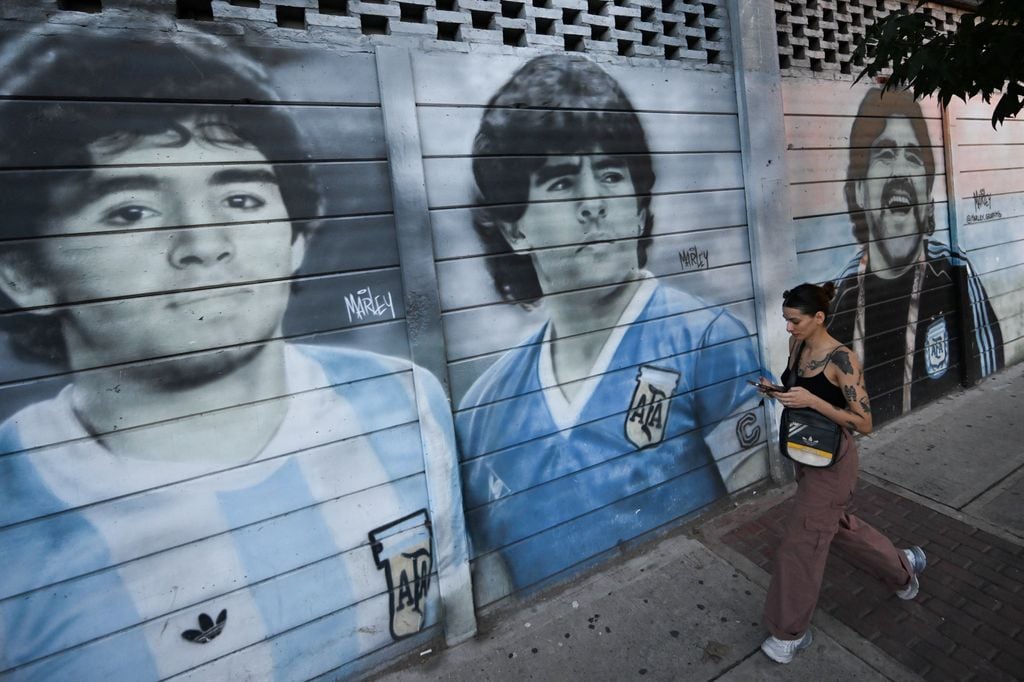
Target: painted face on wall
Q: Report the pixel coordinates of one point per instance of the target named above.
(202, 224)
(894, 194)
(585, 205)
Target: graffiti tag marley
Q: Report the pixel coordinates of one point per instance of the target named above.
(402, 549)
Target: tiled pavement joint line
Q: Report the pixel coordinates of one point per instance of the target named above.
(711, 534)
(846, 637)
(994, 488)
(951, 512)
(1008, 484)
(737, 664)
(968, 619)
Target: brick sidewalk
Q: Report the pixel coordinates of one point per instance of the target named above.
(968, 620)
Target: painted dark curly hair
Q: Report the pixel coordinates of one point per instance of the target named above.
(559, 104)
(54, 134)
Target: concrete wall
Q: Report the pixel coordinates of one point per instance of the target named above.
(326, 327)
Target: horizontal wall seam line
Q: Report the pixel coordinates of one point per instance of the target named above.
(597, 509)
(216, 349)
(856, 245)
(299, 280)
(91, 437)
(10, 170)
(725, 304)
(491, 254)
(427, 634)
(970, 197)
(998, 245)
(672, 193)
(485, 107)
(168, 228)
(994, 145)
(528, 155)
(118, 565)
(603, 462)
(808, 216)
(613, 371)
(838, 149)
(479, 306)
(804, 183)
(304, 624)
(446, 207)
(546, 155)
(793, 114)
(988, 273)
(652, 238)
(328, 161)
(971, 171)
(182, 609)
(238, 101)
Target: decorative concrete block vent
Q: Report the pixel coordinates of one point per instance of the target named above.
(821, 35)
(695, 32)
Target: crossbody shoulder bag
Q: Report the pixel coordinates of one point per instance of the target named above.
(806, 436)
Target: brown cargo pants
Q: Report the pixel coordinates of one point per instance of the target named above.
(817, 520)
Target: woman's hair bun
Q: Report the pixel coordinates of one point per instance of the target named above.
(809, 298)
(829, 289)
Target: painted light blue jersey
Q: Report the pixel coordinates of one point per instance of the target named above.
(636, 457)
(311, 593)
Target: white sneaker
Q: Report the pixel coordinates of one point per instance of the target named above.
(783, 650)
(918, 561)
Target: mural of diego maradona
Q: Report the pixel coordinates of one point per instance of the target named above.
(194, 488)
(897, 300)
(624, 389)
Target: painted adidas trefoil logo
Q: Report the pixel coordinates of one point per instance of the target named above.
(208, 629)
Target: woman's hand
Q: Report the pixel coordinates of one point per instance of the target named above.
(797, 397)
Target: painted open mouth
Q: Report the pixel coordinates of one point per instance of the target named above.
(899, 197)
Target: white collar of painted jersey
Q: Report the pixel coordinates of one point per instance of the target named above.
(564, 413)
(79, 470)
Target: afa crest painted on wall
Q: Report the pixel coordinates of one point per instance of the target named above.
(936, 353)
(402, 549)
(647, 417)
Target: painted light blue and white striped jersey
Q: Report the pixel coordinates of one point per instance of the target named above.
(122, 568)
(550, 483)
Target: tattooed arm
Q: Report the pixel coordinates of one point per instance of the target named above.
(845, 371)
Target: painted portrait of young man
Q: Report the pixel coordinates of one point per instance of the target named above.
(201, 490)
(626, 387)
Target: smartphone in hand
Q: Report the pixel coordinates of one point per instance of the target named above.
(767, 388)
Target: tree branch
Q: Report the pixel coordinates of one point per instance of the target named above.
(983, 56)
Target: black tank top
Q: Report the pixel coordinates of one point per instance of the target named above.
(819, 385)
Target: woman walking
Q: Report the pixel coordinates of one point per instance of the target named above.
(829, 380)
